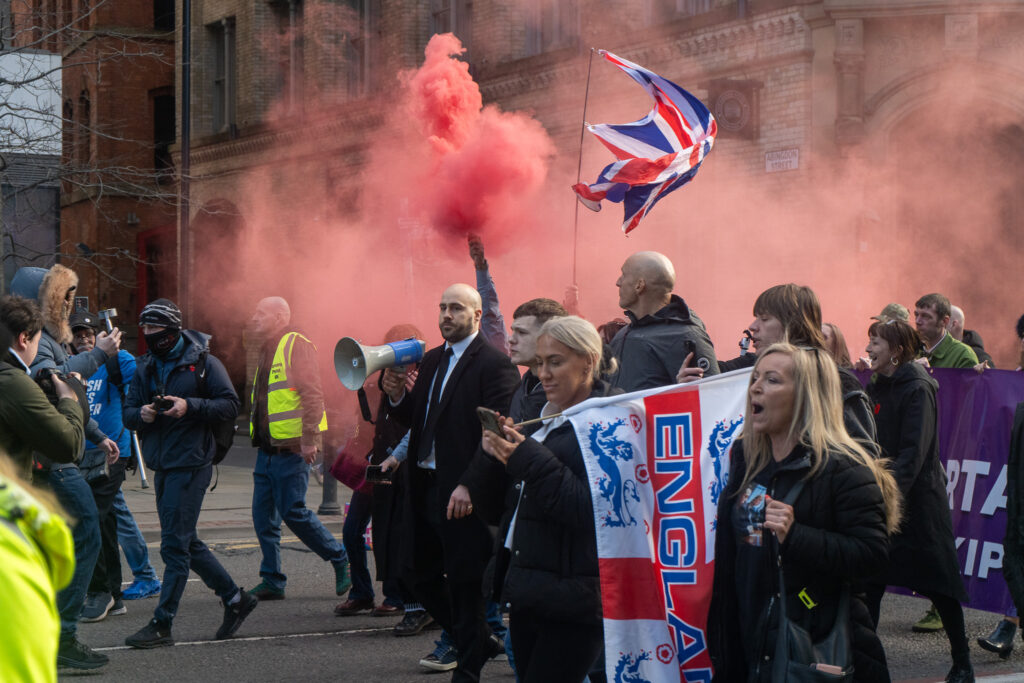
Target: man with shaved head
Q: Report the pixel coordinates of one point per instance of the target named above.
(663, 332)
(448, 551)
(286, 426)
(957, 328)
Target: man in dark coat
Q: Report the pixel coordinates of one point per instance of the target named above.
(662, 329)
(956, 327)
(179, 391)
(1013, 561)
(449, 555)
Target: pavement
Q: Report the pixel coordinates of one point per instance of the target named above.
(227, 509)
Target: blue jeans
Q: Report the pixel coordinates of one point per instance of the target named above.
(279, 488)
(132, 543)
(352, 534)
(179, 498)
(75, 496)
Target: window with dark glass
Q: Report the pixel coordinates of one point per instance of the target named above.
(163, 135)
(289, 52)
(453, 16)
(551, 25)
(163, 15)
(222, 34)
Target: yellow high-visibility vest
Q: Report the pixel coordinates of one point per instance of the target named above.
(284, 406)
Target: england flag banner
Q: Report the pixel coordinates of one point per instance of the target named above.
(657, 461)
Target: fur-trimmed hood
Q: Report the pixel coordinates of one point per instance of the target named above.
(49, 288)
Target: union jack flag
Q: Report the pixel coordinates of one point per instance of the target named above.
(657, 154)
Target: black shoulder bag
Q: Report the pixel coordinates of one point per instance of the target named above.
(798, 659)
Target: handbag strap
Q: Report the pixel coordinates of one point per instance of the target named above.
(789, 499)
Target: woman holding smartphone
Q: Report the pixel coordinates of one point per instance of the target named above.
(552, 580)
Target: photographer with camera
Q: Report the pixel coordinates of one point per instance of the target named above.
(54, 290)
(104, 468)
(28, 421)
(52, 427)
(179, 392)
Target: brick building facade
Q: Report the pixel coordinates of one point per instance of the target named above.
(117, 182)
(803, 89)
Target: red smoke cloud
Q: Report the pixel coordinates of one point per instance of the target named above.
(382, 245)
(486, 163)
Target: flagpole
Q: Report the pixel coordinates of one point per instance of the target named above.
(579, 170)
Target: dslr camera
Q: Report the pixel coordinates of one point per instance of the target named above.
(45, 381)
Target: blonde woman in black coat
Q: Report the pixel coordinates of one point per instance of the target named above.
(552, 586)
(923, 556)
(834, 534)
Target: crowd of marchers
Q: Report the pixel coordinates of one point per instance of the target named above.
(835, 489)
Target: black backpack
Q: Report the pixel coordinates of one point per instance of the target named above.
(223, 430)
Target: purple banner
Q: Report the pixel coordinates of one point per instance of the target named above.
(975, 419)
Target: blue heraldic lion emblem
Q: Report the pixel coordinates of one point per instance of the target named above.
(628, 668)
(719, 442)
(610, 450)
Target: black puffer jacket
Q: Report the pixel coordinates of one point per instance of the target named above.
(923, 553)
(651, 349)
(553, 571)
(857, 413)
(839, 534)
(1013, 544)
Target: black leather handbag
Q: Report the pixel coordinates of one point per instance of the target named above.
(798, 659)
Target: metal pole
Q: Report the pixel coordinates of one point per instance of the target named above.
(329, 501)
(579, 170)
(185, 168)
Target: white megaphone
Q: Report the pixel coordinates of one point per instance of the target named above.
(354, 362)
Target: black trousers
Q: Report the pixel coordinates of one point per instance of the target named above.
(106, 576)
(457, 605)
(949, 610)
(553, 651)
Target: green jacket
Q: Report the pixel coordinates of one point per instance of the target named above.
(951, 353)
(28, 422)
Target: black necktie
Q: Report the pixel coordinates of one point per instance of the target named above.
(427, 436)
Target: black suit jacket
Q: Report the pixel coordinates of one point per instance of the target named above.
(483, 377)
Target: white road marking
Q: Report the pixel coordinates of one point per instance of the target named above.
(318, 634)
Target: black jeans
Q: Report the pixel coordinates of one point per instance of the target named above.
(553, 651)
(457, 605)
(352, 533)
(179, 498)
(949, 610)
(106, 577)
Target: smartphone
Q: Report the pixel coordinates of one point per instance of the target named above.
(375, 475)
(828, 669)
(698, 361)
(489, 420)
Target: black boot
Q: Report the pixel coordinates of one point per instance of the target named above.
(1000, 640)
(961, 673)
